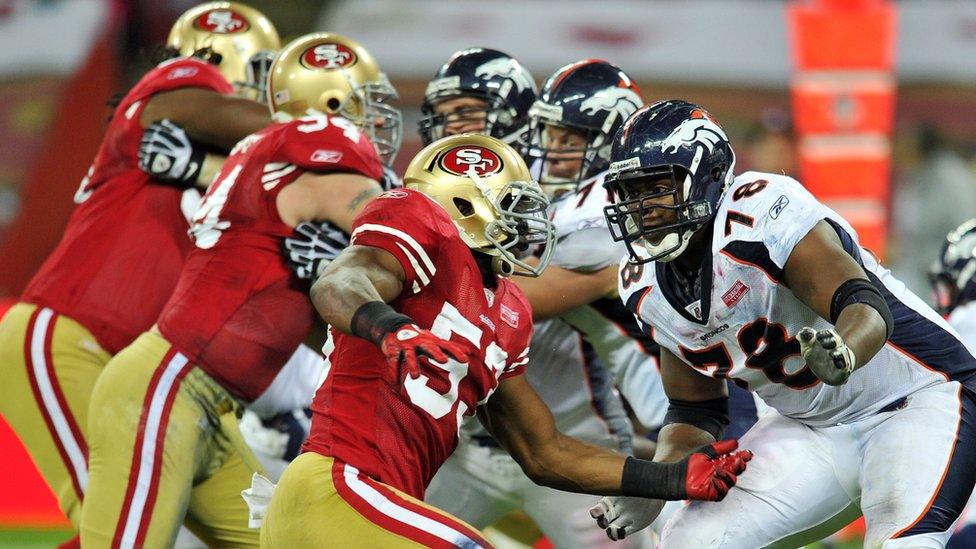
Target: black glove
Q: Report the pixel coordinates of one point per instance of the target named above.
(167, 154)
(312, 247)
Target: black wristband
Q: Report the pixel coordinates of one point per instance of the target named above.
(858, 290)
(651, 479)
(373, 320)
(197, 158)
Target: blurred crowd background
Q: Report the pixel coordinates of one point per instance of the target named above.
(61, 60)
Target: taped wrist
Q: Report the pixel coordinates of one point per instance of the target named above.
(711, 416)
(650, 479)
(858, 290)
(373, 320)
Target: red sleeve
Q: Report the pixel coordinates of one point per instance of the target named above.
(182, 72)
(517, 314)
(404, 223)
(330, 144)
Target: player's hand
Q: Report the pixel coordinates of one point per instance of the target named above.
(827, 355)
(312, 247)
(712, 470)
(408, 344)
(620, 516)
(167, 154)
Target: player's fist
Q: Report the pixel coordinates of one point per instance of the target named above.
(828, 357)
(167, 154)
(620, 516)
(404, 347)
(712, 470)
(312, 247)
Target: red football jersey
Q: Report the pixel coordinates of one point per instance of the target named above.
(400, 431)
(238, 310)
(122, 251)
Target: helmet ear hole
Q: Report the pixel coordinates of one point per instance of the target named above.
(333, 104)
(717, 173)
(463, 206)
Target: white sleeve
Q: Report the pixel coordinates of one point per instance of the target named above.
(587, 250)
(771, 220)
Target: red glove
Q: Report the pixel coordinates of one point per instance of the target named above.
(712, 470)
(404, 346)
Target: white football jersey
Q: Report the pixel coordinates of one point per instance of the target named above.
(963, 319)
(745, 324)
(584, 244)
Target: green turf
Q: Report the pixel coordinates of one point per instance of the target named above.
(32, 539)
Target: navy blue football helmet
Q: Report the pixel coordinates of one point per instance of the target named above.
(668, 149)
(485, 74)
(592, 97)
(953, 274)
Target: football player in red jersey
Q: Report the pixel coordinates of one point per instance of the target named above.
(426, 327)
(121, 253)
(164, 441)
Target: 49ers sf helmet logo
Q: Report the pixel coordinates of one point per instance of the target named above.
(221, 22)
(460, 160)
(329, 56)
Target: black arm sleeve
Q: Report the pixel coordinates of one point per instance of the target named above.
(710, 416)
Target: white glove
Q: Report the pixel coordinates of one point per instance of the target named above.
(620, 516)
(257, 497)
(167, 154)
(828, 357)
(312, 247)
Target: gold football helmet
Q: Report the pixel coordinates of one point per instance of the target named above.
(487, 190)
(231, 34)
(332, 74)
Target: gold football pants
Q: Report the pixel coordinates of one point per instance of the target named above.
(322, 502)
(164, 446)
(48, 367)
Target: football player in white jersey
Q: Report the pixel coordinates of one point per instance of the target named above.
(953, 279)
(481, 483)
(750, 278)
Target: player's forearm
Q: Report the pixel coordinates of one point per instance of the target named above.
(575, 466)
(677, 440)
(340, 292)
(863, 330)
(211, 165)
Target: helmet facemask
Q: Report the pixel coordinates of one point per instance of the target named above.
(496, 116)
(634, 201)
(593, 157)
(367, 105)
(255, 85)
(522, 228)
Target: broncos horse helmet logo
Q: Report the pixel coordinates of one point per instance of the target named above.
(700, 128)
(621, 102)
(504, 67)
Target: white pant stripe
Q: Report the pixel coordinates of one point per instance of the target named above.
(391, 509)
(150, 440)
(59, 419)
